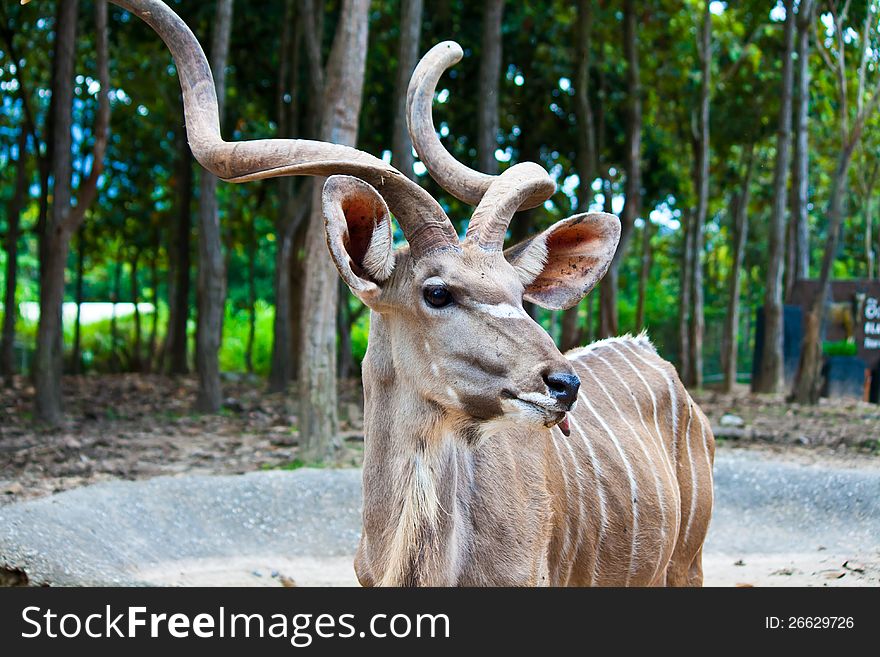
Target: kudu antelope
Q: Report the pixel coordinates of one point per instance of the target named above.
(478, 467)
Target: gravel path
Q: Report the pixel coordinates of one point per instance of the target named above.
(784, 523)
(776, 522)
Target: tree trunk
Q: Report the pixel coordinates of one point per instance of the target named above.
(570, 329)
(684, 295)
(608, 326)
(808, 380)
(64, 220)
(13, 224)
(285, 97)
(591, 330)
(136, 364)
(869, 223)
(296, 275)
(179, 251)
(770, 373)
(407, 57)
(313, 17)
(54, 243)
(212, 269)
(76, 360)
(44, 159)
(701, 186)
(572, 333)
(151, 363)
(342, 102)
(292, 209)
(252, 296)
(281, 372)
(490, 74)
(739, 213)
(647, 261)
(283, 366)
(345, 319)
(115, 360)
(633, 182)
(798, 264)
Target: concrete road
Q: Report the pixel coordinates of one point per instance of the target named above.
(776, 522)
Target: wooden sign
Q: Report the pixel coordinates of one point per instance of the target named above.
(853, 314)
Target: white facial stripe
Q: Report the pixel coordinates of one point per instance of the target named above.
(503, 310)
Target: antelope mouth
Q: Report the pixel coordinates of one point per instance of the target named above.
(551, 416)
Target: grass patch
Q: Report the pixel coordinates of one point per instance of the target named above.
(295, 464)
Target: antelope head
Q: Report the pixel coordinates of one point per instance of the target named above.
(450, 311)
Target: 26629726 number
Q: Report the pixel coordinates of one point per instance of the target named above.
(819, 622)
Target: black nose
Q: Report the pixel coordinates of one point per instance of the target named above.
(563, 387)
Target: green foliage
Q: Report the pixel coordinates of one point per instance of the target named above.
(360, 331)
(133, 222)
(839, 348)
(235, 336)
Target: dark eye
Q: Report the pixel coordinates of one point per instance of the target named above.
(437, 296)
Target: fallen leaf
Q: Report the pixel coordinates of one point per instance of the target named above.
(783, 571)
(854, 566)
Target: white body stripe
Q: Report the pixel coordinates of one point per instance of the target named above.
(566, 547)
(673, 396)
(693, 507)
(600, 492)
(572, 544)
(666, 459)
(633, 487)
(657, 484)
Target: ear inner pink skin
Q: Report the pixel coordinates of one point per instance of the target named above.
(578, 251)
(353, 212)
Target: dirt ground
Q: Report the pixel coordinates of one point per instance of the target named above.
(841, 426)
(140, 426)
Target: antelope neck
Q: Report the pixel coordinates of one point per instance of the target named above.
(418, 474)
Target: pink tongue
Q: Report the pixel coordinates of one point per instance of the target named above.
(563, 426)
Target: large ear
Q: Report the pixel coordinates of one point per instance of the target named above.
(358, 229)
(561, 264)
